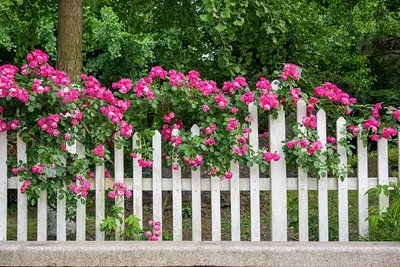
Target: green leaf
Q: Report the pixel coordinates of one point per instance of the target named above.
(239, 22)
(226, 13)
(220, 27)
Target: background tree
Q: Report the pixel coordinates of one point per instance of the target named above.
(69, 39)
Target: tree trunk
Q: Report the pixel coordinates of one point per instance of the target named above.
(69, 46)
(69, 59)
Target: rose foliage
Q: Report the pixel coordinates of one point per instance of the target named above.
(49, 112)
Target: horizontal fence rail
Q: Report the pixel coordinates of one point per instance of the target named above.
(277, 183)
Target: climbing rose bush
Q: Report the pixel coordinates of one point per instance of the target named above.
(41, 106)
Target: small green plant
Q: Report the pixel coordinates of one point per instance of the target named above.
(187, 212)
(385, 224)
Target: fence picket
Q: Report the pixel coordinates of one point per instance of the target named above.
(22, 210)
(196, 196)
(3, 186)
(362, 173)
(278, 179)
(100, 201)
(303, 185)
(383, 171)
(177, 204)
(216, 208)
(254, 178)
(343, 199)
(80, 207)
(42, 216)
(62, 211)
(137, 182)
(119, 177)
(322, 182)
(157, 181)
(235, 201)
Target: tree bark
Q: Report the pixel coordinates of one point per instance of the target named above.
(69, 42)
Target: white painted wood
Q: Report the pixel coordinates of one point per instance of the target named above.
(3, 186)
(254, 178)
(137, 182)
(177, 204)
(235, 201)
(119, 177)
(196, 196)
(42, 216)
(277, 133)
(343, 199)
(383, 171)
(100, 201)
(62, 210)
(157, 175)
(303, 184)
(22, 210)
(362, 173)
(80, 208)
(323, 182)
(215, 208)
(61, 215)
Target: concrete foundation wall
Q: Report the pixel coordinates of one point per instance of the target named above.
(198, 254)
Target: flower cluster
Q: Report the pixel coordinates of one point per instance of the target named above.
(156, 231)
(99, 151)
(291, 70)
(81, 187)
(50, 124)
(24, 186)
(198, 160)
(119, 190)
(268, 156)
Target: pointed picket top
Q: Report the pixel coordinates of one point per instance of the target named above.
(195, 130)
(301, 110)
(275, 85)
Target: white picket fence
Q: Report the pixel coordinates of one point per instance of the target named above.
(278, 183)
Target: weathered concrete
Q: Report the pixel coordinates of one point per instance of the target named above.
(198, 254)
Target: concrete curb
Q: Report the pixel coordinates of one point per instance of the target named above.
(166, 253)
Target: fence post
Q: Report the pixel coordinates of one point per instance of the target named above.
(322, 182)
(362, 173)
(302, 184)
(343, 200)
(196, 196)
(3, 186)
(278, 179)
